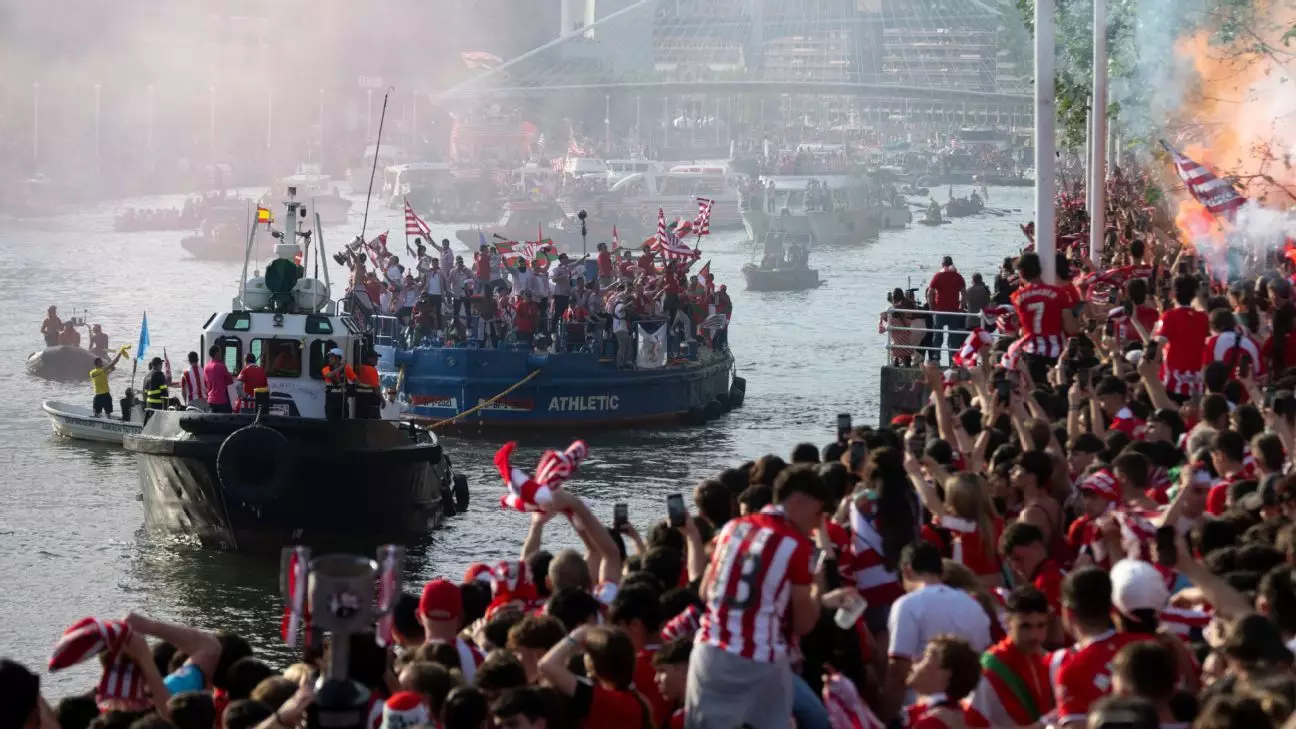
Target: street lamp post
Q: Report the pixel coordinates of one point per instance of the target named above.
(98, 159)
(35, 121)
(269, 117)
(607, 123)
(148, 121)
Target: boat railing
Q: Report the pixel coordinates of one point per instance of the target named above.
(901, 321)
(386, 330)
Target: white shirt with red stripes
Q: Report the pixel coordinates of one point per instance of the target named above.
(192, 387)
(757, 561)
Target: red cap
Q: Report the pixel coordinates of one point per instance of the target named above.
(441, 601)
(478, 571)
(902, 421)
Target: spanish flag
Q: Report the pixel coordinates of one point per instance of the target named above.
(264, 215)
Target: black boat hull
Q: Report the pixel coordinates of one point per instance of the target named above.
(354, 482)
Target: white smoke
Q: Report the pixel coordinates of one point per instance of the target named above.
(1260, 227)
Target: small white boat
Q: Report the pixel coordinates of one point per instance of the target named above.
(79, 423)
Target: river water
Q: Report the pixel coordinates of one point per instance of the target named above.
(72, 541)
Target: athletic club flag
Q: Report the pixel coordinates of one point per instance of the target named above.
(525, 493)
(970, 353)
(414, 225)
(1216, 195)
(702, 226)
(661, 227)
(89, 637)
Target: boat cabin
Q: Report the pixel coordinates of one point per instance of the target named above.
(673, 184)
(292, 348)
(581, 166)
(310, 181)
(792, 192)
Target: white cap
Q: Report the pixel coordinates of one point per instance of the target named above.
(335, 352)
(1137, 585)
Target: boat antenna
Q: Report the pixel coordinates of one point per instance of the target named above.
(374, 169)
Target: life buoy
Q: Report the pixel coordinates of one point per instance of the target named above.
(252, 464)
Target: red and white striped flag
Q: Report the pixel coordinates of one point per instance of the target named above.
(661, 227)
(616, 239)
(89, 637)
(295, 563)
(536, 494)
(702, 226)
(1216, 195)
(414, 225)
(970, 354)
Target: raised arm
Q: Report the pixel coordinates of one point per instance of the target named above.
(203, 649)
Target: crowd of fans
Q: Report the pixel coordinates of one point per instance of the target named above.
(1088, 523)
(546, 302)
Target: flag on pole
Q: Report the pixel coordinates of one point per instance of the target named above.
(1216, 195)
(414, 225)
(616, 239)
(706, 269)
(264, 215)
(143, 340)
(702, 226)
(481, 238)
(661, 228)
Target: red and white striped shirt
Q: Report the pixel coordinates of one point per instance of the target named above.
(876, 584)
(757, 561)
(1039, 308)
(192, 387)
(1229, 347)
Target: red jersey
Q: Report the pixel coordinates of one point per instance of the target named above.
(945, 288)
(757, 561)
(253, 379)
(645, 683)
(482, 266)
(1185, 330)
(965, 543)
(1231, 348)
(1014, 688)
(604, 264)
(1217, 497)
(927, 714)
(1039, 309)
(1288, 353)
(597, 707)
(874, 581)
(526, 316)
(1082, 674)
(1123, 324)
(1048, 580)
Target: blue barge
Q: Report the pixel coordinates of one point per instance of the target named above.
(515, 387)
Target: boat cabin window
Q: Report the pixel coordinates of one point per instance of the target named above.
(239, 321)
(231, 352)
(316, 324)
(279, 357)
(319, 349)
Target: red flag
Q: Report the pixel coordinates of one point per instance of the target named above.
(1216, 195)
(706, 269)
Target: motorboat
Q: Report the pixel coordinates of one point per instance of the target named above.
(784, 265)
(80, 423)
(962, 207)
(640, 195)
(278, 470)
(534, 220)
(62, 363)
(319, 194)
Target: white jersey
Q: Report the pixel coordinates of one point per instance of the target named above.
(435, 283)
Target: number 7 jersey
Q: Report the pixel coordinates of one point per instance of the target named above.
(756, 562)
(1039, 309)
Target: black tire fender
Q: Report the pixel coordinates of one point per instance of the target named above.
(254, 464)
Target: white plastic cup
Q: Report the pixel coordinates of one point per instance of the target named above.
(849, 614)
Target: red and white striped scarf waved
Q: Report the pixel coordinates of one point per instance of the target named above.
(122, 680)
(536, 494)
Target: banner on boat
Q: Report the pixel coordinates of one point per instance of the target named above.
(652, 346)
(584, 403)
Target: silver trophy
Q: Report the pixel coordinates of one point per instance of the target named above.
(346, 594)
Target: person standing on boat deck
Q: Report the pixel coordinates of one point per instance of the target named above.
(337, 376)
(254, 381)
(395, 272)
(99, 378)
(435, 287)
(482, 267)
(540, 291)
(69, 336)
(458, 276)
(192, 390)
(52, 327)
(977, 297)
(605, 272)
(621, 330)
(447, 255)
(368, 388)
(526, 316)
(561, 280)
(98, 341)
(945, 298)
(218, 381)
(157, 389)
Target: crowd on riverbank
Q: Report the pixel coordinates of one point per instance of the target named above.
(1089, 523)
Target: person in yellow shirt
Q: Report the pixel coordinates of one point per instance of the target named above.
(99, 378)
